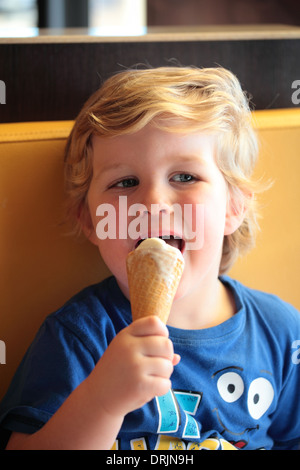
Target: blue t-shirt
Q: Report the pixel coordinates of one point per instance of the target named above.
(237, 384)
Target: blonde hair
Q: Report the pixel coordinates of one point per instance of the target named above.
(176, 99)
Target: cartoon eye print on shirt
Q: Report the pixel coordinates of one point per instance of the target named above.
(231, 387)
(260, 397)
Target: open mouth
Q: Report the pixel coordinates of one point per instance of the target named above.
(171, 240)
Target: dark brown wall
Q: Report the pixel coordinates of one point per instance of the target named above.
(219, 12)
(51, 81)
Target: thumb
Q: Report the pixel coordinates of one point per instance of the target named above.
(176, 359)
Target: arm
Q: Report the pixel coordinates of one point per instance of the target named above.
(139, 361)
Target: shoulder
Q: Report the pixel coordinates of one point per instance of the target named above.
(93, 316)
(266, 308)
(96, 301)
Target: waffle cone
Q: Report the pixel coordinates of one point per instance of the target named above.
(153, 278)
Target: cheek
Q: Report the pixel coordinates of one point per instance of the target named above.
(114, 254)
(194, 226)
(214, 223)
(215, 212)
(204, 222)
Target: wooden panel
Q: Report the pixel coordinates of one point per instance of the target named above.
(191, 12)
(51, 80)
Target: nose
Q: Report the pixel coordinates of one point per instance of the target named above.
(156, 200)
(157, 211)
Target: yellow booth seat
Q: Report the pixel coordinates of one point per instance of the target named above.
(42, 267)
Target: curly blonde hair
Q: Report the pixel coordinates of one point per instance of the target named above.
(176, 99)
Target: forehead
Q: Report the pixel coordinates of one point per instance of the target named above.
(151, 139)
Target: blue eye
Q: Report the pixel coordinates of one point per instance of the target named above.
(127, 183)
(183, 178)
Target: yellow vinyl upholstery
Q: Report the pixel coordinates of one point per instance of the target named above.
(274, 264)
(41, 266)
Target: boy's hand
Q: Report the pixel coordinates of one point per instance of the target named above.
(136, 366)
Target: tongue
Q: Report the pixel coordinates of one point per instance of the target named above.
(175, 242)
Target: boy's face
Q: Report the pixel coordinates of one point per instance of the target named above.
(162, 172)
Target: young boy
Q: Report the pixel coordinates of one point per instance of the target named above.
(221, 374)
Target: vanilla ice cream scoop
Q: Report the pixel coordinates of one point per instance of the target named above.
(154, 271)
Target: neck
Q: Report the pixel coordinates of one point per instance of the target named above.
(205, 307)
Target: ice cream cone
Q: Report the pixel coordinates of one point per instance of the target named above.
(154, 270)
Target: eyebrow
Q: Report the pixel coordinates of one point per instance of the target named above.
(113, 166)
(189, 158)
(107, 168)
(186, 159)
(226, 368)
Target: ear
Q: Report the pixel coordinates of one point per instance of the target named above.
(235, 211)
(86, 223)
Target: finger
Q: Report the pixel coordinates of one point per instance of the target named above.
(159, 367)
(158, 386)
(151, 325)
(156, 346)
